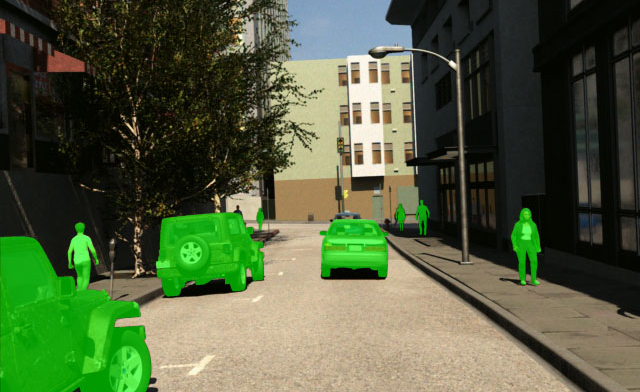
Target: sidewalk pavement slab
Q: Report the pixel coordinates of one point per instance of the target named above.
(147, 288)
(587, 327)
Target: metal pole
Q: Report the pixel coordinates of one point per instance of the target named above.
(268, 211)
(390, 210)
(338, 181)
(462, 165)
(341, 173)
(112, 256)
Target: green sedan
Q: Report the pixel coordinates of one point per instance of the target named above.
(354, 243)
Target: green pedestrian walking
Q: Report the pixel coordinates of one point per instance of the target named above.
(400, 215)
(422, 214)
(260, 218)
(80, 246)
(526, 241)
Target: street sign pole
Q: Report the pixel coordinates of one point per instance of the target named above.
(268, 212)
(341, 173)
(112, 256)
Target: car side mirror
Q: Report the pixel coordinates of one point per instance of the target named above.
(250, 230)
(385, 234)
(67, 286)
(330, 220)
(323, 232)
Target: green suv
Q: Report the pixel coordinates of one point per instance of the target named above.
(56, 339)
(204, 247)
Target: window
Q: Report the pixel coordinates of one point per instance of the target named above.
(373, 72)
(443, 91)
(344, 114)
(377, 153)
(386, 113)
(234, 227)
(342, 75)
(375, 113)
(477, 69)
(408, 151)
(384, 74)
(357, 113)
(406, 112)
(585, 124)
(626, 70)
(19, 119)
(346, 155)
(447, 194)
(406, 72)
(355, 73)
(388, 153)
(359, 157)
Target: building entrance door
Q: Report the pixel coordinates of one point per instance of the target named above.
(20, 130)
(377, 204)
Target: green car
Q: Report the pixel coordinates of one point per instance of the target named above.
(54, 338)
(354, 243)
(204, 247)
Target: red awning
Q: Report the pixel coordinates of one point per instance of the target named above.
(47, 58)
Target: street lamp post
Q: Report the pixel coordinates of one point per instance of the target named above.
(381, 51)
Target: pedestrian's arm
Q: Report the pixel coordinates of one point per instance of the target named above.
(93, 251)
(69, 253)
(428, 212)
(514, 237)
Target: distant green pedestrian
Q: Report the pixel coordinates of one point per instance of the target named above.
(260, 218)
(422, 214)
(80, 246)
(526, 241)
(400, 215)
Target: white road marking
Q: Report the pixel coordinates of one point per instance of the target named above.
(201, 365)
(178, 366)
(280, 273)
(241, 299)
(258, 298)
(293, 258)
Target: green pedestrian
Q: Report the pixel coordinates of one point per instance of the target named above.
(400, 215)
(422, 214)
(260, 218)
(526, 241)
(80, 246)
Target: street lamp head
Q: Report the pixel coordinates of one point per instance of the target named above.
(380, 51)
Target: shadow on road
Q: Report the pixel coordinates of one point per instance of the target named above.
(349, 274)
(216, 286)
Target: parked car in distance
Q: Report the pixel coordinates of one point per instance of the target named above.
(355, 243)
(204, 247)
(57, 339)
(345, 215)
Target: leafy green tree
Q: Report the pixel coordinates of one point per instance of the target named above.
(174, 99)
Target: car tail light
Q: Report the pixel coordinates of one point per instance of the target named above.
(375, 248)
(330, 246)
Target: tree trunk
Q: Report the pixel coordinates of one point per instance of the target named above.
(217, 205)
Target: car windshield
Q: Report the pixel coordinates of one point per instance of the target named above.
(24, 277)
(354, 228)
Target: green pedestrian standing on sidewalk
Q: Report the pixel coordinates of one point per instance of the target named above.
(80, 246)
(526, 241)
(422, 214)
(260, 218)
(400, 215)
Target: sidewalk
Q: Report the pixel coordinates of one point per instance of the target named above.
(586, 327)
(145, 289)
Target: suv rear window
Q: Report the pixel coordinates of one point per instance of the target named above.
(235, 227)
(180, 229)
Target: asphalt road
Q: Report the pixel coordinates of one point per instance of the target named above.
(295, 331)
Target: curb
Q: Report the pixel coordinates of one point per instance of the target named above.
(573, 367)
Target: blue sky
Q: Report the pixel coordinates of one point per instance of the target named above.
(330, 29)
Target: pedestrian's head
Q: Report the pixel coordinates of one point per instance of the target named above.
(259, 209)
(237, 207)
(525, 215)
(421, 202)
(79, 227)
(400, 205)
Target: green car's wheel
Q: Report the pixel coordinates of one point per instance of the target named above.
(325, 271)
(239, 282)
(259, 272)
(171, 287)
(128, 366)
(192, 253)
(382, 272)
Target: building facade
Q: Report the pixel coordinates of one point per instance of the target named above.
(589, 62)
(368, 102)
(501, 111)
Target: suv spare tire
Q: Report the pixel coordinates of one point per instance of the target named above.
(192, 253)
